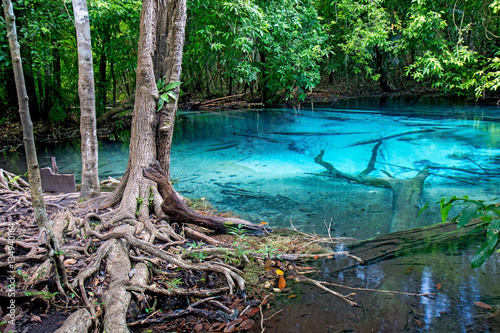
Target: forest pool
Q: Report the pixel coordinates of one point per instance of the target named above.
(260, 165)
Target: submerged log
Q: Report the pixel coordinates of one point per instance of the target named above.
(402, 242)
(406, 193)
(178, 211)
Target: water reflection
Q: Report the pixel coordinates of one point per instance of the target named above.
(446, 274)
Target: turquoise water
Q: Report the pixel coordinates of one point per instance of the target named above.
(260, 163)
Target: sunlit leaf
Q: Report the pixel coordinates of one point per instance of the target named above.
(172, 85)
(280, 272)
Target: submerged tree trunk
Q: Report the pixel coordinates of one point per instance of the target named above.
(406, 193)
(90, 176)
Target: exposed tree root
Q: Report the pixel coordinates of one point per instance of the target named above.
(179, 212)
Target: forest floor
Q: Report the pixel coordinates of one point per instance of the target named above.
(197, 301)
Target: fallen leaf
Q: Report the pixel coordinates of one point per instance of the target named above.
(253, 312)
(483, 305)
(418, 322)
(267, 285)
(316, 257)
(263, 223)
(332, 327)
(276, 290)
(198, 327)
(409, 270)
(68, 262)
(291, 296)
(281, 282)
(439, 285)
(35, 318)
(247, 324)
(280, 272)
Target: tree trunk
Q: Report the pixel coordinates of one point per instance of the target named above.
(168, 65)
(44, 225)
(90, 176)
(22, 97)
(102, 86)
(135, 191)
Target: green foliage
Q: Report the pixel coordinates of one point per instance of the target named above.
(166, 91)
(489, 213)
(281, 42)
(46, 295)
(173, 284)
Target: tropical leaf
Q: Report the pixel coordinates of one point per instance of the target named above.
(172, 85)
(468, 213)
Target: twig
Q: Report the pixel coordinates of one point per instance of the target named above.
(378, 291)
(343, 297)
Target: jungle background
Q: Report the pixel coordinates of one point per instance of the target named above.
(274, 51)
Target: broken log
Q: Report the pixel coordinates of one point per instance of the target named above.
(406, 241)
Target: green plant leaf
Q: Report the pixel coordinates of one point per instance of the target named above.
(467, 214)
(172, 85)
(488, 246)
(484, 251)
(445, 209)
(165, 97)
(171, 94)
(422, 210)
(160, 104)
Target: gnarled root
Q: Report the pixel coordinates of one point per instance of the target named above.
(177, 210)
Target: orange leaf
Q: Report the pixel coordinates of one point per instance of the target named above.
(280, 272)
(483, 305)
(291, 296)
(263, 223)
(439, 285)
(316, 257)
(281, 282)
(253, 311)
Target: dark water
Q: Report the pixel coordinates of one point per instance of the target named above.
(443, 270)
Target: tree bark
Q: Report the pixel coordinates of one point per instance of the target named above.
(170, 33)
(134, 191)
(44, 225)
(86, 91)
(22, 97)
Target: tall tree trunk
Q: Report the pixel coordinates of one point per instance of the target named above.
(90, 175)
(134, 191)
(102, 85)
(35, 182)
(167, 61)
